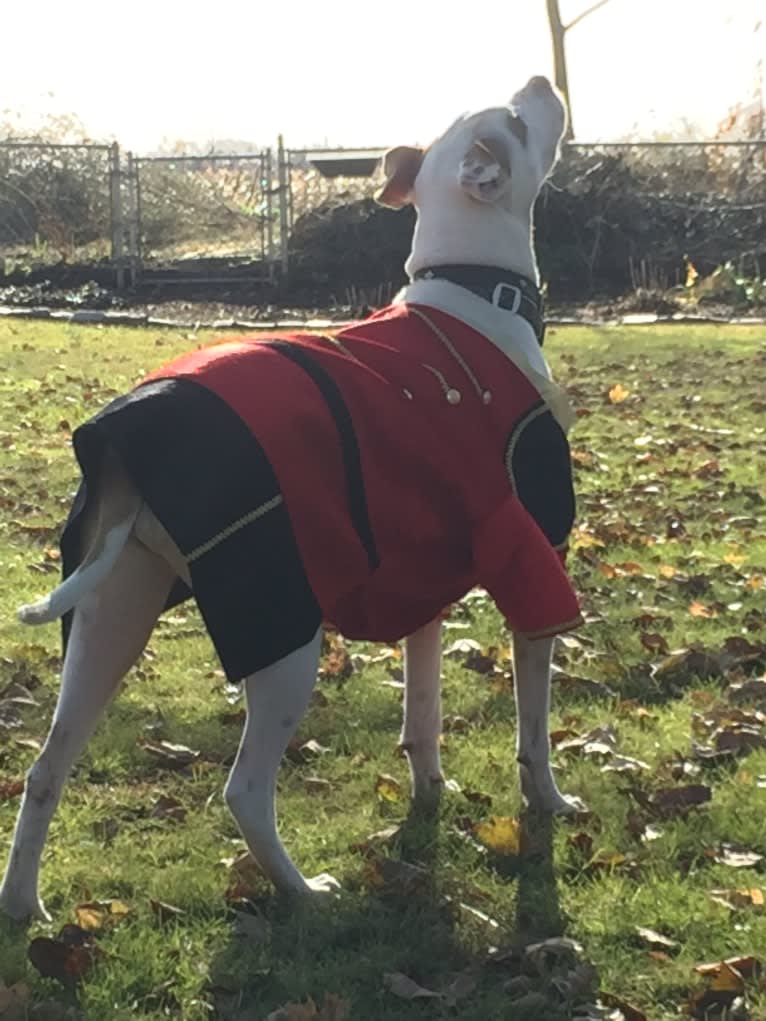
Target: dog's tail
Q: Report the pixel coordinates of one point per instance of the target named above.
(91, 572)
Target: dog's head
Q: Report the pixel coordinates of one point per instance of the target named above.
(500, 156)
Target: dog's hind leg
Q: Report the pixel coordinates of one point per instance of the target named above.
(532, 682)
(422, 713)
(277, 697)
(110, 628)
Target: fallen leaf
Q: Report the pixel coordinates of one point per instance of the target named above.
(500, 834)
(11, 789)
(669, 802)
(736, 900)
(388, 787)
(333, 1009)
(746, 967)
(390, 876)
(377, 840)
(170, 756)
(168, 808)
(617, 394)
(405, 988)
(165, 912)
(624, 764)
(656, 941)
(736, 858)
(245, 877)
(97, 914)
(67, 962)
(627, 1010)
(697, 609)
(654, 642)
(303, 751)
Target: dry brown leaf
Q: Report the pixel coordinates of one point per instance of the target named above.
(736, 900)
(170, 756)
(67, 959)
(628, 1011)
(11, 789)
(245, 877)
(165, 912)
(166, 807)
(656, 941)
(736, 858)
(669, 802)
(745, 966)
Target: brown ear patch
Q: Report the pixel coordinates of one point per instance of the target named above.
(401, 166)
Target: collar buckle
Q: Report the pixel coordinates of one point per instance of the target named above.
(500, 297)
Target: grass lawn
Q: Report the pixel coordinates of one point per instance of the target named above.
(668, 747)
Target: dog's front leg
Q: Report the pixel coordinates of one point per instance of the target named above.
(532, 680)
(422, 712)
(277, 697)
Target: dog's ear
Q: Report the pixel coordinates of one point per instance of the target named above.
(401, 166)
(485, 170)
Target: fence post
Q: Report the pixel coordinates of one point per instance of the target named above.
(283, 177)
(115, 195)
(268, 184)
(134, 233)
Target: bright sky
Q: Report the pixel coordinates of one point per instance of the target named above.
(350, 72)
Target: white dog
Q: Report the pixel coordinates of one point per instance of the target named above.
(368, 479)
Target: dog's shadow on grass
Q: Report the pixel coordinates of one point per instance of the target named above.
(394, 917)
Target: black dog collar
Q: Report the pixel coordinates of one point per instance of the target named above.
(501, 287)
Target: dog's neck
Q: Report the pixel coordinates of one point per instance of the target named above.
(445, 234)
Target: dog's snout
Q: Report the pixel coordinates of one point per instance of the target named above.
(539, 83)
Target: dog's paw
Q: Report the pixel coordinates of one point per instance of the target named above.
(568, 804)
(540, 793)
(20, 909)
(323, 883)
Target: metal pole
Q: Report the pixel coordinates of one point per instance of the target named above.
(117, 218)
(133, 220)
(269, 185)
(284, 199)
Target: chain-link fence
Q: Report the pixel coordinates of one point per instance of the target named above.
(614, 216)
(55, 204)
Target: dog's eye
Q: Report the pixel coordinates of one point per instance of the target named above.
(518, 127)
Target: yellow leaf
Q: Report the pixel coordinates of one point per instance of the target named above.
(697, 609)
(94, 915)
(500, 834)
(691, 274)
(388, 787)
(735, 559)
(667, 571)
(755, 582)
(618, 393)
(584, 540)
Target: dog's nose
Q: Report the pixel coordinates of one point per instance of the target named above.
(539, 83)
